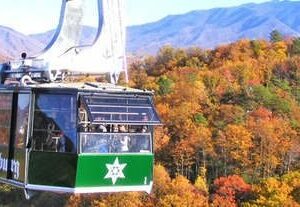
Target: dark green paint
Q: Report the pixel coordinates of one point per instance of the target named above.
(53, 169)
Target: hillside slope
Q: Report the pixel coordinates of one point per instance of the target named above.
(209, 28)
(203, 28)
(13, 43)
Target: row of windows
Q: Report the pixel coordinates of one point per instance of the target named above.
(119, 109)
(55, 126)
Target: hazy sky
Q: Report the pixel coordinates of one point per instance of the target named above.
(42, 15)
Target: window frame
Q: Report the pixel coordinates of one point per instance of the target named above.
(115, 136)
(129, 109)
(8, 138)
(57, 92)
(28, 124)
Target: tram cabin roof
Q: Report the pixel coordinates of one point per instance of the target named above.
(82, 87)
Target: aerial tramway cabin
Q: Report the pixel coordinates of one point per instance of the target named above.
(76, 137)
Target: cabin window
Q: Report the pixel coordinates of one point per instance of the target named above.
(137, 110)
(115, 142)
(54, 126)
(22, 120)
(5, 117)
(116, 124)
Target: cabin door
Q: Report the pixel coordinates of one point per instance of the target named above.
(52, 156)
(19, 134)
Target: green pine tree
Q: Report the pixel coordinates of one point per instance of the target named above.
(296, 46)
(275, 36)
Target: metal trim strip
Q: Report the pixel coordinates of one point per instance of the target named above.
(12, 182)
(104, 189)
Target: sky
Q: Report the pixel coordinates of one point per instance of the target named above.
(42, 15)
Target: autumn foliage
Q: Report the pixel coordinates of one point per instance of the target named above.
(230, 191)
(231, 126)
(234, 111)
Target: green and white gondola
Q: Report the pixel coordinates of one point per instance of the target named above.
(76, 138)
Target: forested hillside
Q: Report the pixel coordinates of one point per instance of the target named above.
(231, 128)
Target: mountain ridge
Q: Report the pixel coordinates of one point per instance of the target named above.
(13, 43)
(209, 28)
(200, 28)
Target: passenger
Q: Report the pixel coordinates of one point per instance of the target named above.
(124, 142)
(92, 128)
(144, 129)
(122, 128)
(134, 145)
(62, 143)
(145, 119)
(144, 144)
(103, 145)
(49, 144)
(115, 128)
(102, 128)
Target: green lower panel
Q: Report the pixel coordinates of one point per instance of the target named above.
(114, 170)
(52, 169)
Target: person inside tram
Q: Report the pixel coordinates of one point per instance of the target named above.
(122, 128)
(119, 143)
(124, 143)
(115, 128)
(61, 143)
(103, 145)
(143, 142)
(49, 143)
(101, 127)
(144, 128)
